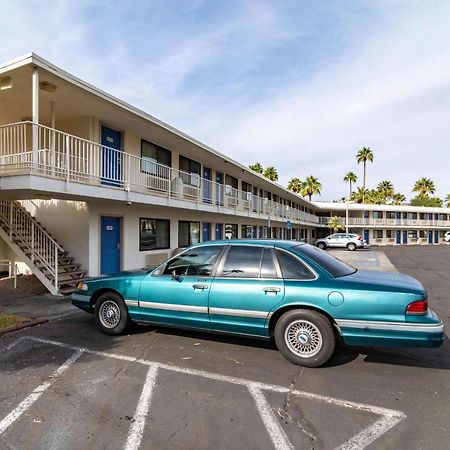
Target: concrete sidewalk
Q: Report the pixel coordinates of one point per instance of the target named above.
(30, 301)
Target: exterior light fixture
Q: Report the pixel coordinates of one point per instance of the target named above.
(46, 86)
(5, 83)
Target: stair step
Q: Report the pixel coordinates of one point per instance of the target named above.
(67, 290)
(69, 272)
(73, 283)
(71, 269)
(68, 275)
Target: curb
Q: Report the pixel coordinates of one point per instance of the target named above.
(32, 323)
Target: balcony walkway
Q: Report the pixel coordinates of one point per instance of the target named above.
(38, 151)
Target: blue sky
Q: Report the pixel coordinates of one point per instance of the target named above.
(297, 84)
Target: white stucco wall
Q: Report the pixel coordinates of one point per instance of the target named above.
(6, 253)
(67, 222)
(131, 257)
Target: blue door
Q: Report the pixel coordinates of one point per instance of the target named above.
(110, 244)
(219, 188)
(111, 170)
(206, 232)
(398, 217)
(430, 237)
(405, 236)
(398, 237)
(436, 237)
(366, 235)
(219, 231)
(207, 185)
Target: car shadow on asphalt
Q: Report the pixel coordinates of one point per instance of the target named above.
(206, 336)
(413, 357)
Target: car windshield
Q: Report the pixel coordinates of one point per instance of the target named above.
(335, 267)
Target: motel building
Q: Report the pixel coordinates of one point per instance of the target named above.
(90, 185)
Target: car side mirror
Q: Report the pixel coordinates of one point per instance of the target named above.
(175, 276)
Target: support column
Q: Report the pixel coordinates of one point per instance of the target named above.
(35, 114)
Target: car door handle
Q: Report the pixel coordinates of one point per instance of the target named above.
(272, 290)
(200, 286)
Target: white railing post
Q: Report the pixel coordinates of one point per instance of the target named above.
(56, 268)
(67, 160)
(32, 242)
(10, 219)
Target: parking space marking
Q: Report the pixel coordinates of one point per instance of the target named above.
(36, 394)
(389, 417)
(137, 427)
(276, 433)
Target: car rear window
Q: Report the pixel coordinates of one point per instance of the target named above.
(335, 267)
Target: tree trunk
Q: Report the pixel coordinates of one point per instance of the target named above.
(364, 182)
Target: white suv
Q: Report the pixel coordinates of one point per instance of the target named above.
(350, 241)
(447, 236)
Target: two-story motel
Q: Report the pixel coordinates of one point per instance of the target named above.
(89, 184)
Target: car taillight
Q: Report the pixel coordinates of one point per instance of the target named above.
(417, 308)
(359, 238)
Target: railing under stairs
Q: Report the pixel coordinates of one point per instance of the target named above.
(45, 257)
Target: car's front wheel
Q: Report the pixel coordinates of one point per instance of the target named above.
(305, 337)
(351, 246)
(322, 245)
(111, 314)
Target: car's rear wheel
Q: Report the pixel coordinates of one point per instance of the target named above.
(322, 245)
(305, 337)
(111, 314)
(351, 246)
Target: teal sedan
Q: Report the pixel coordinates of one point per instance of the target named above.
(297, 294)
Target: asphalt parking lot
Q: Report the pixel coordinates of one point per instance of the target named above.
(63, 385)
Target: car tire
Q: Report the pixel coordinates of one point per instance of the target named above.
(305, 337)
(351, 246)
(322, 245)
(111, 314)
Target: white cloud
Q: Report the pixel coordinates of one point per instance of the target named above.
(386, 88)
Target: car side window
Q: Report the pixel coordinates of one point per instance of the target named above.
(292, 267)
(242, 261)
(198, 261)
(268, 269)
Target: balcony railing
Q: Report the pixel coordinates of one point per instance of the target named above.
(28, 148)
(385, 223)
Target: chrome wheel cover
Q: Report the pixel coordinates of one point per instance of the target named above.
(303, 338)
(109, 314)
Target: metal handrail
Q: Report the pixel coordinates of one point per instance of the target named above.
(12, 269)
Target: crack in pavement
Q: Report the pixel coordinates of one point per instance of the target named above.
(284, 414)
(154, 336)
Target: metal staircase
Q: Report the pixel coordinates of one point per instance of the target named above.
(38, 249)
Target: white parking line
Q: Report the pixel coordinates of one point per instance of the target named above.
(34, 396)
(389, 417)
(137, 427)
(276, 433)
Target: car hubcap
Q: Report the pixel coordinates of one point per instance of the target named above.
(109, 314)
(303, 338)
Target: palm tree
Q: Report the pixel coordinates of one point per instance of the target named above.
(257, 167)
(398, 199)
(295, 185)
(447, 201)
(335, 224)
(310, 186)
(424, 186)
(359, 195)
(350, 177)
(386, 189)
(271, 173)
(364, 155)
